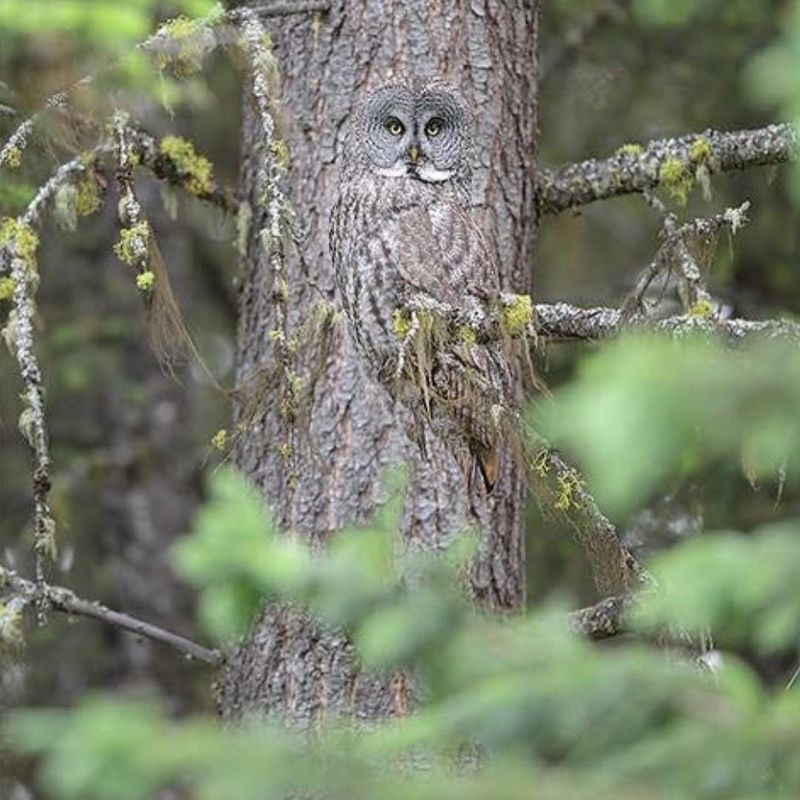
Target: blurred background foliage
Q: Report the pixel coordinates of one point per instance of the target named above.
(130, 445)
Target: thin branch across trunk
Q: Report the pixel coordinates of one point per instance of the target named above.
(65, 600)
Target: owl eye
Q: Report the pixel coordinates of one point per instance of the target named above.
(434, 127)
(394, 126)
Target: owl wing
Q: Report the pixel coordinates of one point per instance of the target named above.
(442, 254)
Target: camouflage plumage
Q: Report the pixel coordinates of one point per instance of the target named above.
(399, 242)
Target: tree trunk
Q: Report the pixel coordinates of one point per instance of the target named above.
(333, 475)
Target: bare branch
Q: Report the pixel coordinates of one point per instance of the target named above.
(629, 172)
(65, 600)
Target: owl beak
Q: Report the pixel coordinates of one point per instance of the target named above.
(414, 154)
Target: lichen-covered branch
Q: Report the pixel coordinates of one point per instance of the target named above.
(560, 491)
(690, 248)
(166, 163)
(133, 247)
(65, 600)
(674, 162)
(280, 219)
(562, 321)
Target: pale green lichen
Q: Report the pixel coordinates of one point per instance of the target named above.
(12, 157)
(700, 151)
(541, 463)
(280, 150)
(630, 149)
(702, 309)
(132, 245)
(568, 485)
(285, 450)
(401, 324)
(7, 286)
(22, 239)
(219, 441)
(198, 170)
(517, 314)
(677, 179)
(11, 637)
(467, 334)
(87, 198)
(145, 281)
(182, 46)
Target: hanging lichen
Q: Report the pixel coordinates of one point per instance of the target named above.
(677, 179)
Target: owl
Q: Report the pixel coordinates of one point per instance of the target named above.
(413, 272)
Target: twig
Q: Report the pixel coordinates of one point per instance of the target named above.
(65, 600)
(678, 239)
(626, 173)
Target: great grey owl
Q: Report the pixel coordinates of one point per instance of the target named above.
(413, 271)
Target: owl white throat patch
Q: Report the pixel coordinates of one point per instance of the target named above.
(424, 172)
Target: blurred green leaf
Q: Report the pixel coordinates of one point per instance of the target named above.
(643, 409)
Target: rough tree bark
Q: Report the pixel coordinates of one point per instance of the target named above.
(333, 475)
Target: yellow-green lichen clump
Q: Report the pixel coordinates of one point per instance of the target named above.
(7, 286)
(630, 149)
(182, 47)
(401, 324)
(21, 238)
(700, 151)
(517, 314)
(145, 281)
(87, 197)
(219, 441)
(677, 179)
(12, 157)
(132, 245)
(198, 170)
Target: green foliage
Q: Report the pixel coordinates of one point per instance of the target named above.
(104, 24)
(678, 13)
(771, 78)
(551, 714)
(742, 588)
(644, 409)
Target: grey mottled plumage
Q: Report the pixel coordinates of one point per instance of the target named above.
(402, 237)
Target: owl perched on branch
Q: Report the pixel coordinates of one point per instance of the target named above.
(417, 281)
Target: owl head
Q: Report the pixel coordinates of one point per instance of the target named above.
(422, 132)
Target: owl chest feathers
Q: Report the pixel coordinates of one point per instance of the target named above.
(395, 239)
